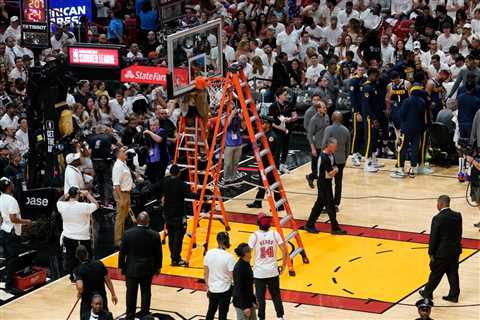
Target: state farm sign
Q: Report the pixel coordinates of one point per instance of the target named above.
(149, 75)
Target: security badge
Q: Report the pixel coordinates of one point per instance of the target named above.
(271, 139)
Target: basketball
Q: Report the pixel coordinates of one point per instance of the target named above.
(200, 83)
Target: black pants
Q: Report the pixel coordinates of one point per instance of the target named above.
(176, 232)
(358, 140)
(324, 200)
(283, 141)
(145, 292)
(103, 178)
(313, 164)
(261, 191)
(338, 184)
(70, 262)
(370, 136)
(220, 302)
(273, 285)
(414, 142)
(438, 268)
(11, 249)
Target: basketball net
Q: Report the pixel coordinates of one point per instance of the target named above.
(214, 87)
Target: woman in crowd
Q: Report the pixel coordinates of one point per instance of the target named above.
(346, 44)
(297, 75)
(102, 113)
(400, 51)
(243, 297)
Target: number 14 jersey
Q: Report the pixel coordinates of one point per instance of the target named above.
(265, 244)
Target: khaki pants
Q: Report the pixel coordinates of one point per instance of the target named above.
(123, 206)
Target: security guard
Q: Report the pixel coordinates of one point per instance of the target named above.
(326, 170)
(275, 150)
(424, 307)
(370, 109)
(412, 121)
(10, 231)
(397, 92)
(173, 191)
(355, 93)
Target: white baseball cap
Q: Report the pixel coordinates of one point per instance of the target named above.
(72, 157)
(416, 45)
(13, 19)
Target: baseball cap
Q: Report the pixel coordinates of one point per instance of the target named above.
(416, 45)
(424, 303)
(26, 57)
(263, 220)
(4, 182)
(72, 157)
(467, 26)
(13, 19)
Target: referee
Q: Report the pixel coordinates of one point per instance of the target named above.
(326, 170)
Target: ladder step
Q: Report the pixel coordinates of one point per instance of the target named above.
(268, 169)
(186, 149)
(264, 152)
(185, 165)
(215, 216)
(199, 186)
(279, 203)
(274, 186)
(291, 235)
(258, 135)
(284, 220)
(189, 135)
(295, 253)
(192, 143)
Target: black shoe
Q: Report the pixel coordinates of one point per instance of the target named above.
(336, 208)
(451, 299)
(310, 181)
(338, 232)
(422, 293)
(477, 225)
(254, 204)
(310, 229)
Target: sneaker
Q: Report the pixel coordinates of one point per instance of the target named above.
(356, 160)
(388, 152)
(378, 164)
(284, 168)
(338, 232)
(310, 181)
(411, 173)
(369, 167)
(181, 263)
(423, 170)
(254, 204)
(399, 173)
(461, 177)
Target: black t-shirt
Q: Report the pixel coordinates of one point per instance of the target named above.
(325, 165)
(371, 50)
(276, 110)
(92, 273)
(101, 146)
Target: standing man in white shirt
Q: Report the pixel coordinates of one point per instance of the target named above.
(19, 70)
(266, 272)
(73, 175)
(287, 41)
(427, 56)
(10, 230)
(447, 39)
(218, 275)
(314, 70)
(348, 13)
(387, 50)
(120, 108)
(22, 135)
(123, 185)
(76, 217)
(333, 32)
(10, 118)
(14, 29)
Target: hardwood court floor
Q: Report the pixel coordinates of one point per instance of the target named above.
(410, 211)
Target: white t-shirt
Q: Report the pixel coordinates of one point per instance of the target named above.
(8, 206)
(344, 17)
(121, 176)
(288, 42)
(313, 73)
(22, 138)
(387, 54)
(332, 35)
(76, 218)
(315, 33)
(265, 245)
(444, 43)
(7, 122)
(120, 111)
(73, 178)
(220, 266)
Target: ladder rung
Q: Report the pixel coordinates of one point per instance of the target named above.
(284, 220)
(264, 152)
(192, 143)
(274, 186)
(192, 129)
(200, 186)
(279, 203)
(185, 165)
(258, 135)
(268, 169)
(215, 216)
(220, 134)
(186, 149)
(189, 135)
(295, 253)
(291, 235)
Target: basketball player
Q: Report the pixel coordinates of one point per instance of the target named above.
(266, 272)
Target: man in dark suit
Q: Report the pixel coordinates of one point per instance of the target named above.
(139, 259)
(97, 311)
(444, 250)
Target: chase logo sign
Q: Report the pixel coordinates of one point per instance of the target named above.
(69, 11)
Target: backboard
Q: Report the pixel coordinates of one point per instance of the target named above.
(194, 52)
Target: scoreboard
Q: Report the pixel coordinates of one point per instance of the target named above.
(34, 19)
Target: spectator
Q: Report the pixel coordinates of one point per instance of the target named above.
(148, 19)
(97, 312)
(19, 70)
(233, 146)
(14, 29)
(115, 28)
(243, 297)
(9, 119)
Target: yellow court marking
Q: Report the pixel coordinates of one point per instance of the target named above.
(386, 272)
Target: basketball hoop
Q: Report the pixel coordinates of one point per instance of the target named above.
(214, 87)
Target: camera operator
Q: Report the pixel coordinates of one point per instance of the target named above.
(157, 154)
(474, 180)
(101, 144)
(10, 230)
(76, 218)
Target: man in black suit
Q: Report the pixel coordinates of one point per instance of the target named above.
(139, 259)
(97, 311)
(444, 250)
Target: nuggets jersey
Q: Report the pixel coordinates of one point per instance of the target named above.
(265, 244)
